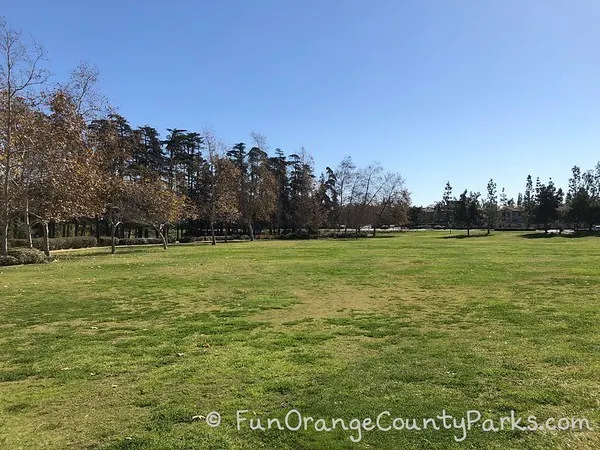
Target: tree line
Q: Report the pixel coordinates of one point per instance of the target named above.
(67, 157)
(540, 205)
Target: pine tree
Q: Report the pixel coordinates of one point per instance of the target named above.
(491, 205)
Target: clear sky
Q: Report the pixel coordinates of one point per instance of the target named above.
(458, 90)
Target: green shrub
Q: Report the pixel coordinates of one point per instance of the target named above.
(189, 239)
(140, 241)
(28, 255)
(17, 243)
(105, 241)
(266, 236)
(297, 235)
(64, 243)
(9, 261)
(219, 238)
(84, 242)
(300, 235)
(238, 237)
(341, 235)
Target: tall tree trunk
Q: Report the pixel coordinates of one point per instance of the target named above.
(28, 223)
(212, 215)
(112, 238)
(7, 162)
(97, 228)
(45, 240)
(162, 236)
(4, 237)
(212, 230)
(28, 231)
(250, 230)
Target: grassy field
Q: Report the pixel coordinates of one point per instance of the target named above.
(132, 350)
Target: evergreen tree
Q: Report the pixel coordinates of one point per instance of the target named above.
(446, 205)
(503, 199)
(528, 201)
(547, 201)
(491, 205)
(278, 165)
(467, 211)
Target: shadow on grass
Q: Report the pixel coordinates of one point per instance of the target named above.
(464, 236)
(542, 235)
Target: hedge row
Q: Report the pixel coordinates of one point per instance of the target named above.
(284, 236)
(140, 241)
(61, 243)
(321, 235)
(74, 242)
(342, 235)
(64, 243)
(231, 237)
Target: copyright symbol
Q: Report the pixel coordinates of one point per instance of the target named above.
(213, 419)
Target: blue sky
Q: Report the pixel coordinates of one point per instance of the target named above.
(438, 90)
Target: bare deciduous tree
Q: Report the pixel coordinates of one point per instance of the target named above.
(67, 177)
(345, 175)
(20, 71)
(392, 201)
(83, 89)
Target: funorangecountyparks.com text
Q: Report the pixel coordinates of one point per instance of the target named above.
(386, 421)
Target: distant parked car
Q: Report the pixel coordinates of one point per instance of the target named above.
(596, 228)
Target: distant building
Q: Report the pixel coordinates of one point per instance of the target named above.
(428, 216)
(511, 217)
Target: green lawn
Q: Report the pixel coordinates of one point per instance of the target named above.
(126, 351)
